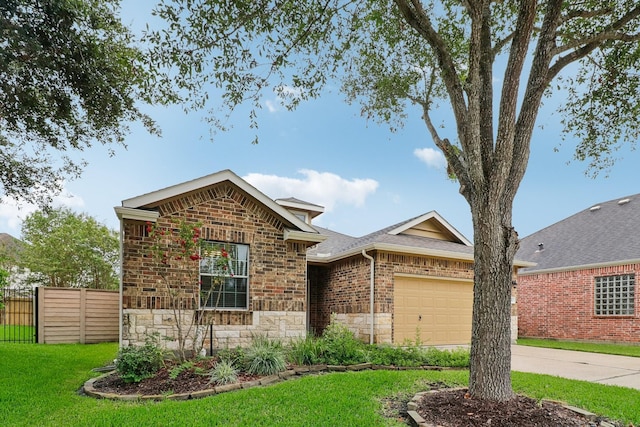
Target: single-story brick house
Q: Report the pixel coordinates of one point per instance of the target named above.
(416, 275)
(583, 286)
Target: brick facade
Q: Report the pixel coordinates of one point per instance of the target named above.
(343, 288)
(277, 269)
(560, 305)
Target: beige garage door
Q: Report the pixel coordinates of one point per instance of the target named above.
(439, 309)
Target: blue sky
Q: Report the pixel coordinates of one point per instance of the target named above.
(325, 153)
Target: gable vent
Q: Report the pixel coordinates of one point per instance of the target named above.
(624, 201)
(595, 208)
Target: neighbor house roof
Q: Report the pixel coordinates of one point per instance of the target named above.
(605, 234)
(144, 207)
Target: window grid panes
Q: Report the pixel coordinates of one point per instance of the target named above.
(224, 284)
(615, 295)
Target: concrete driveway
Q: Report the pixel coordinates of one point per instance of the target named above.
(598, 368)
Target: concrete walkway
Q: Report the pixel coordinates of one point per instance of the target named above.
(598, 368)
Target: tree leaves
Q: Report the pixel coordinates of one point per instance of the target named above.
(67, 249)
(70, 77)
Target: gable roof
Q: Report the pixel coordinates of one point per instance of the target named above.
(607, 233)
(405, 237)
(142, 207)
(300, 205)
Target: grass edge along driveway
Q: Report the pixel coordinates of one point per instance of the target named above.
(39, 384)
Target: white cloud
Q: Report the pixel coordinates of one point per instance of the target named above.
(321, 188)
(433, 158)
(13, 212)
(271, 106)
(284, 94)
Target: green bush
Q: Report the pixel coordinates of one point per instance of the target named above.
(389, 355)
(458, 358)
(237, 357)
(265, 357)
(135, 363)
(306, 351)
(341, 346)
(224, 373)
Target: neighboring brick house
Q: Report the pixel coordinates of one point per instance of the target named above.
(268, 295)
(296, 275)
(584, 284)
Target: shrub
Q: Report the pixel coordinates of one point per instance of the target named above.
(458, 358)
(306, 351)
(135, 363)
(265, 357)
(237, 357)
(224, 373)
(341, 346)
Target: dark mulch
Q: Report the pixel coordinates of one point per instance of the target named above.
(454, 408)
(189, 380)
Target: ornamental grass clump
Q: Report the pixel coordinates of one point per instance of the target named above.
(224, 373)
(265, 357)
(135, 363)
(306, 351)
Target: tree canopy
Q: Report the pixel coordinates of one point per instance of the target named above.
(70, 77)
(490, 63)
(67, 249)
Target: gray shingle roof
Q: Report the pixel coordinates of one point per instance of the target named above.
(608, 232)
(338, 244)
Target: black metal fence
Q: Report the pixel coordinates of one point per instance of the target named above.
(18, 314)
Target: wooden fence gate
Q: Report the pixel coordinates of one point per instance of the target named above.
(59, 315)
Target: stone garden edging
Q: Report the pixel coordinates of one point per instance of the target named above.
(90, 390)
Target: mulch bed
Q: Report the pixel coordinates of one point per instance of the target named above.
(454, 408)
(188, 380)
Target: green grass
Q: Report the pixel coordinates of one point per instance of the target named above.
(39, 383)
(619, 349)
(16, 333)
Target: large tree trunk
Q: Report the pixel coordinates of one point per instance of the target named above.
(495, 244)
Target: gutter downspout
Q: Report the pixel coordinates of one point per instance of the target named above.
(372, 262)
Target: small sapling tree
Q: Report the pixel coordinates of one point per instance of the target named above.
(179, 254)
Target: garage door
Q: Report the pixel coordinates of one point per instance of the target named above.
(440, 309)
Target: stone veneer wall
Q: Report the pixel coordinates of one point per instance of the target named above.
(283, 325)
(561, 306)
(277, 270)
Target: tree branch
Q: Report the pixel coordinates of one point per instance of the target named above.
(415, 15)
(504, 151)
(592, 43)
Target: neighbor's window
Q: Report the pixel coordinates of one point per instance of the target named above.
(224, 275)
(615, 295)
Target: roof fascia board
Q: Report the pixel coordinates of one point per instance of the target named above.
(216, 178)
(301, 236)
(579, 267)
(426, 217)
(386, 247)
(300, 206)
(136, 214)
(393, 248)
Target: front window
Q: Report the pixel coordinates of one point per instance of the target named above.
(615, 295)
(224, 275)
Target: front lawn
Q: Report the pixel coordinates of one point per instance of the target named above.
(39, 384)
(619, 349)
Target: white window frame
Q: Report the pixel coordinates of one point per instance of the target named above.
(237, 274)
